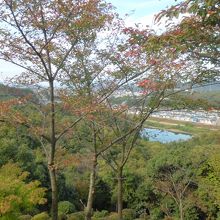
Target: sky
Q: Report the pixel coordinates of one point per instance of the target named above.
(140, 11)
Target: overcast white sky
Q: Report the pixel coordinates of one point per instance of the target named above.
(141, 11)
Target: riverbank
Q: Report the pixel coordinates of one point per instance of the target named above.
(169, 129)
(180, 126)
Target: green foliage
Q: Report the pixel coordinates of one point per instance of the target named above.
(131, 184)
(77, 182)
(99, 218)
(191, 213)
(113, 216)
(145, 173)
(209, 96)
(8, 143)
(209, 183)
(185, 101)
(18, 147)
(128, 100)
(156, 213)
(102, 197)
(15, 194)
(41, 216)
(76, 216)
(128, 214)
(174, 177)
(100, 214)
(25, 217)
(62, 217)
(66, 207)
(144, 216)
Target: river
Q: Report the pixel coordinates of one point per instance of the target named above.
(164, 136)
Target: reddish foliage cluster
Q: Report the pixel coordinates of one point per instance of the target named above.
(136, 31)
(148, 86)
(132, 53)
(137, 36)
(6, 106)
(153, 61)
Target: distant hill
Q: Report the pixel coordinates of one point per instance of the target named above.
(7, 92)
(200, 96)
(212, 87)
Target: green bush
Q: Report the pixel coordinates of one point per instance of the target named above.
(144, 216)
(100, 214)
(66, 207)
(19, 194)
(128, 214)
(41, 216)
(25, 217)
(113, 216)
(156, 213)
(98, 218)
(62, 217)
(76, 216)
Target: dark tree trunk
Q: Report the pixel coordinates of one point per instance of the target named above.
(51, 165)
(120, 194)
(88, 209)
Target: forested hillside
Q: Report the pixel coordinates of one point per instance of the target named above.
(156, 178)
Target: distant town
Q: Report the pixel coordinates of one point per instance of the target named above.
(201, 116)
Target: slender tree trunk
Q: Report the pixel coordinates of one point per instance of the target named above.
(88, 209)
(181, 209)
(51, 165)
(120, 193)
(53, 182)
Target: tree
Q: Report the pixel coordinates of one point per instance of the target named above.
(93, 79)
(134, 61)
(177, 178)
(40, 37)
(126, 132)
(57, 42)
(156, 83)
(208, 183)
(16, 195)
(196, 36)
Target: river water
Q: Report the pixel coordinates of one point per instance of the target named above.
(163, 136)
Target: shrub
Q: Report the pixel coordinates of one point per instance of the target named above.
(76, 216)
(18, 195)
(128, 214)
(168, 218)
(41, 216)
(25, 217)
(100, 214)
(98, 218)
(66, 207)
(144, 216)
(62, 217)
(113, 216)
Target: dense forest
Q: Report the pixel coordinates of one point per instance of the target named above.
(156, 178)
(71, 141)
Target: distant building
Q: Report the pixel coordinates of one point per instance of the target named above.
(204, 117)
